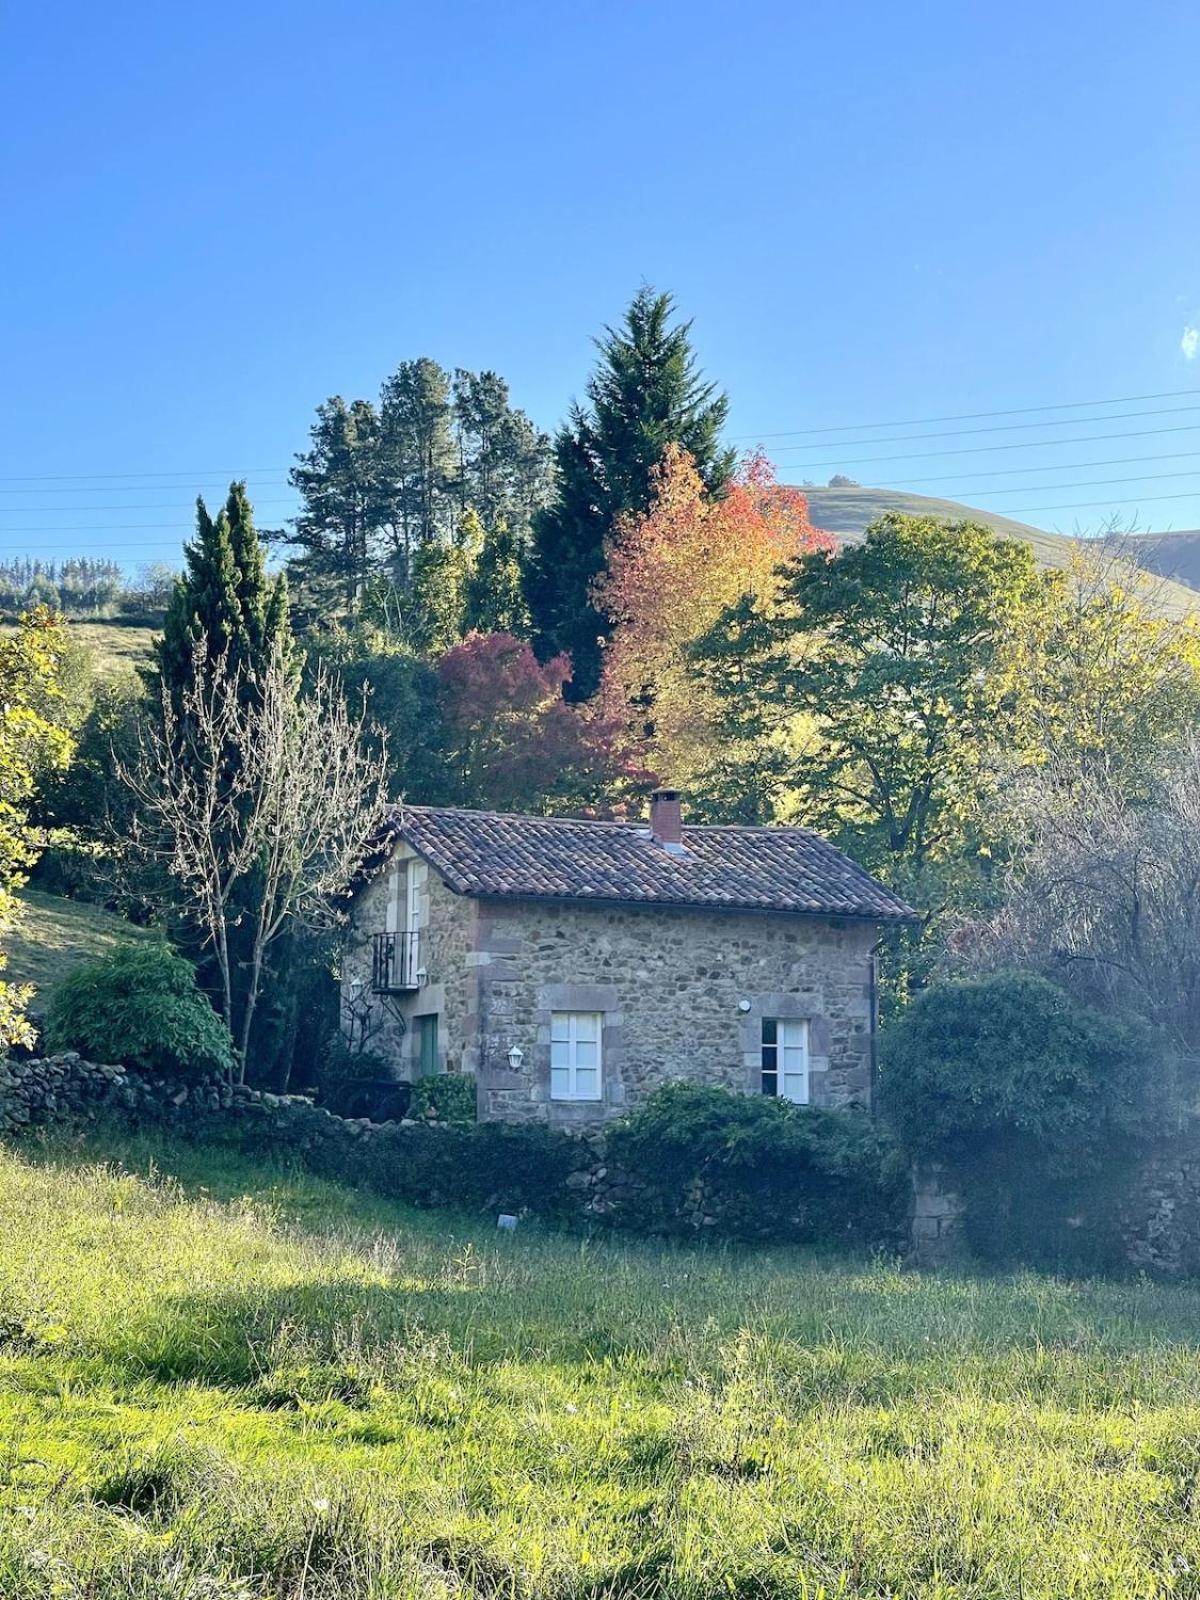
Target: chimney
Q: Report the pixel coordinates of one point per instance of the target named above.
(666, 816)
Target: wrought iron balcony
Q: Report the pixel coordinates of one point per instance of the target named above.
(395, 963)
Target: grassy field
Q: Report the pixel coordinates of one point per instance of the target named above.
(110, 644)
(54, 935)
(228, 1383)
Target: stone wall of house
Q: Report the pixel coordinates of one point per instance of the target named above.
(446, 938)
(670, 985)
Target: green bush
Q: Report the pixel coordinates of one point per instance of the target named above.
(1034, 1103)
(757, 1168)
(139, 1007)
(1013, 1058)
(448, 1097)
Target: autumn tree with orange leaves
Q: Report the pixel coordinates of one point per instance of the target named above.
(671, 575)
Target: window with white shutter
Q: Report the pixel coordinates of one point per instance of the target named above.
(575, 1065)
(785, 1059)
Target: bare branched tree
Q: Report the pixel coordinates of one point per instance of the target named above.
(260, 802)
(1106, 897)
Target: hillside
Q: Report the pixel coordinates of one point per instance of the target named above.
(847, 512)
(1173, 555)
(55, 935)
(112, 644)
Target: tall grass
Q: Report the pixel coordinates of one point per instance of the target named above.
(231, 1383)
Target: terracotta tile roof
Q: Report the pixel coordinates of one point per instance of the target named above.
(788, 870)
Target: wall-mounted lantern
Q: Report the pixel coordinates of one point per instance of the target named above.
(515, 1057)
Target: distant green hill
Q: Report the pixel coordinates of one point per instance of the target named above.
(847, 512)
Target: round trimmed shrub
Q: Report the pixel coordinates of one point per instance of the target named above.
(139, 1007)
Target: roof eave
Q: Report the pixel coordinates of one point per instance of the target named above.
(829, 914)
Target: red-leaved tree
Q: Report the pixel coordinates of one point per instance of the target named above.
(671, 574)
(514, 744)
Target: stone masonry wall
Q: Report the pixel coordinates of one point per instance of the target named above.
(669, 984)
(446, 936)
(486, 1169)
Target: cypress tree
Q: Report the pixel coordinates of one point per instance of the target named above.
(645, 393)
(224, 599)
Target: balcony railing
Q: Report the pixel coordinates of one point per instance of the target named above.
(395, 962)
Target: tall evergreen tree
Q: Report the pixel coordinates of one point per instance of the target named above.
(493, 599)
(227, 614)
(645, 394)
(224, 599)
(505, 467)
(337, 530)
(417, 461)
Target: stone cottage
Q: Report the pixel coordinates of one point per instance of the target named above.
(572, 966)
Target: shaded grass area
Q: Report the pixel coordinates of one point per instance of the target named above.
(54, 935)
(238, 1382)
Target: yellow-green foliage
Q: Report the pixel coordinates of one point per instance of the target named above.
(268, 1387)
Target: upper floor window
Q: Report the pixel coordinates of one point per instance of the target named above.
(785, 1059)
(575, 1065)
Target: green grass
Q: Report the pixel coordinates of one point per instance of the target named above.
(238, 1383)
(54, 935)
(110, 644)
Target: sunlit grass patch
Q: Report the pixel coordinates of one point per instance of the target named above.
(238, 1382)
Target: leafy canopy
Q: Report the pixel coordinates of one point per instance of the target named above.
(670, 576)
(32, 742)
(512, 743)
(1012, 1061)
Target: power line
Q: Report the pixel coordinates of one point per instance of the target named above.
(1054, 466)
(989, 449)
(969, 416)
(163, 505)
(1091, 505)
(862, 461)
(105, 477)
(894, 483)
(1023, 488)
(209, 474)
(1011, 427)
(125, 488)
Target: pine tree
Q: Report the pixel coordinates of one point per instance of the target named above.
(338, 529)
(417, 460)
(645, 394)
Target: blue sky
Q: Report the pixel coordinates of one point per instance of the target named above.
(214, 216)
